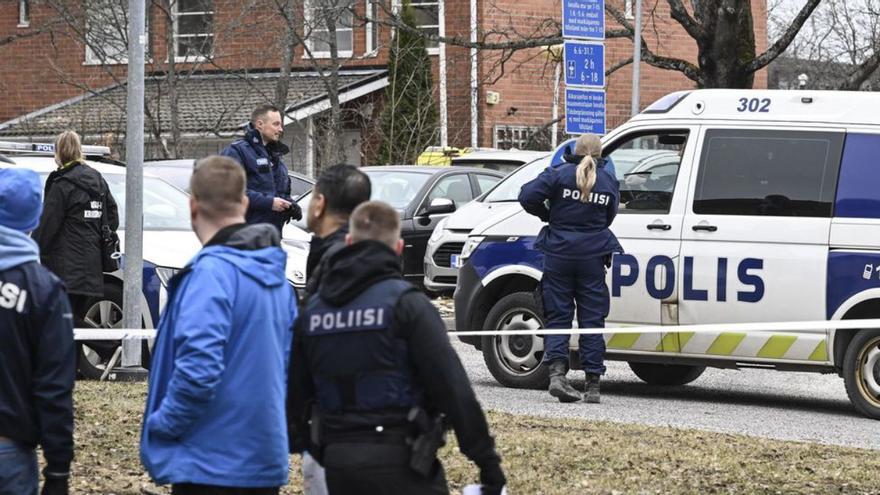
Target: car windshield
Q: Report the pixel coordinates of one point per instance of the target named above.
(176, 176)
(397, 188)
(165, 207)
(508, 189)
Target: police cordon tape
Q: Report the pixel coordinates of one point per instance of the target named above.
(788, 326)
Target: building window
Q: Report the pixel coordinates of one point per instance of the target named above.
(24, 15)
(193, 30)
(513, 136)
(629, 9)
(427, 15)
(372, 27)
(106, 35)
(318, 13)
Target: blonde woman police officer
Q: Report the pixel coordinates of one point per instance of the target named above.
(578, 200)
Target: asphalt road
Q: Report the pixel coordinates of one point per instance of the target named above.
(787, 406)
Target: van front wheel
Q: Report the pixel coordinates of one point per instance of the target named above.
(670, 375)
(516, 360)
(861, 372)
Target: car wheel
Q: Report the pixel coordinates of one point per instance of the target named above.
(861, 372)
(103, 312)
(516, 360)
(666, 374)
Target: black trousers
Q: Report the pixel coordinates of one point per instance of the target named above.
(193, 489)
(378, 469)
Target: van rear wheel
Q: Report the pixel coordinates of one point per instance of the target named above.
(861, 372)
(669, 375)
(516, 360)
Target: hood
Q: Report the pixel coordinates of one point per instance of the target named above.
(499, 216)
(255, 250)
(355, 268)
(476, 212)
(82, 175)
(16, 248)
(168, 248)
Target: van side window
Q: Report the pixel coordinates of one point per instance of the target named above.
(768, 173)
(646, 166)
(858, 194)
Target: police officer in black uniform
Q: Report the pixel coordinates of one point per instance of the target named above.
(578, 200)
(37, 357)
(374, 377)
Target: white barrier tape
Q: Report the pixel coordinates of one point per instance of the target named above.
(788, 326)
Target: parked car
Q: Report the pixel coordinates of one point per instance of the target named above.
(178, 172)
(424, 196)
(504, 161)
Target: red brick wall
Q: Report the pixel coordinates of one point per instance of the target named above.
(46, 69)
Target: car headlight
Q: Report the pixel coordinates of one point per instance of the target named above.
(438, 230)
(470, 246)
(165, 274)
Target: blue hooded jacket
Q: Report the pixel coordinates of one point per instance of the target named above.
(576, 229)
(267, 177)
(215, 410)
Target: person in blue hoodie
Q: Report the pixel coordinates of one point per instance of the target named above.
(37, 358)
(268, 185)
(578, 200)
(215, 415)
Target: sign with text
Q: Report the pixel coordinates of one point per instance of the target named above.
(584, 111)
(583, 19)
(584, 64)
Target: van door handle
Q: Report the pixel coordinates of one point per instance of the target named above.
(706, 228)
(659, 226)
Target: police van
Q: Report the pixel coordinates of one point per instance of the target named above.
(755, 206)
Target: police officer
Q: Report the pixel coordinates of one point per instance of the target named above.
(37, 357)
(578, 200)
(372, 354)
(268, 185)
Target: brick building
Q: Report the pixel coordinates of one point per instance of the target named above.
(69, 71)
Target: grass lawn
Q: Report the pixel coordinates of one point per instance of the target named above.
(541, 456)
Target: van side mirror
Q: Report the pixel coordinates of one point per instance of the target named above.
(439, 206)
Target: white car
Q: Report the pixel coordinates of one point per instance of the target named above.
(169, 244)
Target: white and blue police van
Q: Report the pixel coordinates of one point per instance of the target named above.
(756, 206)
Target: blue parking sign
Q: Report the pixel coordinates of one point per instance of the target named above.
(584, 63)
(583, 19)
(584, 111)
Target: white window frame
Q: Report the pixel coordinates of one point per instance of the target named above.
(24, 14)
(371, 24)
(91, 58)
(175, 15)
(310, 22)
(629, 7)
(441, 22)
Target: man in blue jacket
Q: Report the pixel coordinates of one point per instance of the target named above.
(215, 420)
(37, 357)
(268, 185)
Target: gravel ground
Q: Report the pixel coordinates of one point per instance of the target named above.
(770, 404)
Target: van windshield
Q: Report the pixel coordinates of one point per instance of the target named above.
(508, 189)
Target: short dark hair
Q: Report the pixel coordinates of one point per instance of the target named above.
(262, 110)
(344, 187)
(375, 221)
(218, 186)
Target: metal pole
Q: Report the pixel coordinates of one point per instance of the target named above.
(557, 75)
(637, 61)
(444, 112)
(474, 85)
(134, 182)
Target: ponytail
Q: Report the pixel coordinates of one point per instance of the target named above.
(586, 177)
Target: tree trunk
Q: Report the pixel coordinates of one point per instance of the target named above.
(287, 51)
(728, 45)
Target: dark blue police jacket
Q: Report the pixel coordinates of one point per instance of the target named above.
(358, 361)
(576, 229)
(266, 176)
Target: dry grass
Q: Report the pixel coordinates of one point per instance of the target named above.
(541, 456)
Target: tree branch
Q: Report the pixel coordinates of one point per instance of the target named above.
(680, 14)
(854, 81)
(20, 36)
(782, 43)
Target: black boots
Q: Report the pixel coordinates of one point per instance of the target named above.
(559, 386)
(591, 394)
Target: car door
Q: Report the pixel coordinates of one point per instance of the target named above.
(755, 237)
(648, 225)
(453, 186)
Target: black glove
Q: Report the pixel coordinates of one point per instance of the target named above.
(294, 212)
(492, 478)
(55, 486)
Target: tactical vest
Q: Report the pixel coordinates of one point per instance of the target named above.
(358, 361)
